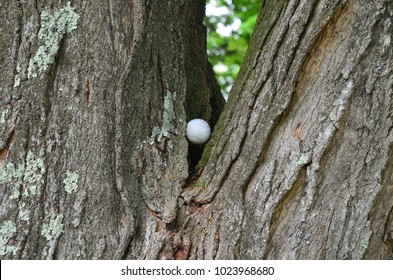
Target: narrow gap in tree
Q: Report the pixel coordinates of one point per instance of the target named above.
(194, 155)
(229, 26)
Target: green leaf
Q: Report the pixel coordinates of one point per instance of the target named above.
(228, 51)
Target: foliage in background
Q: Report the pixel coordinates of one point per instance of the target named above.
(229, 24)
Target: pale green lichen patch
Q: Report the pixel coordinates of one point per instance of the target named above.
(53, 229)
(364, 243)
(17, 77)
(15, 193)
(17, 81)
(7, 229)
(3, 116)
(24, 215)
(30, 176)
(12, 176)
(303, 159)
(34, 174)
(71, 182)
(8, 173)
(53, 28)
(168, 117)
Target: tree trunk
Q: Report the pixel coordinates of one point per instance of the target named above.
(95, 97)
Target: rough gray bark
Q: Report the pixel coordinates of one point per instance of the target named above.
(299, 165)
(111, 110)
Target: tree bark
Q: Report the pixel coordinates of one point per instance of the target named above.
(93, 155)
(300, 165)
(93, 148)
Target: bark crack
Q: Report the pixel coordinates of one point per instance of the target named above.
(5, 149)
(279, 215)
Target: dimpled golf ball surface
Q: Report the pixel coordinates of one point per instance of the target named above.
(198, 131)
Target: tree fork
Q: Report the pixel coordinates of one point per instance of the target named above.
(298, 165)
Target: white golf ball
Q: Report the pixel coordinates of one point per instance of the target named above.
(198, 131)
